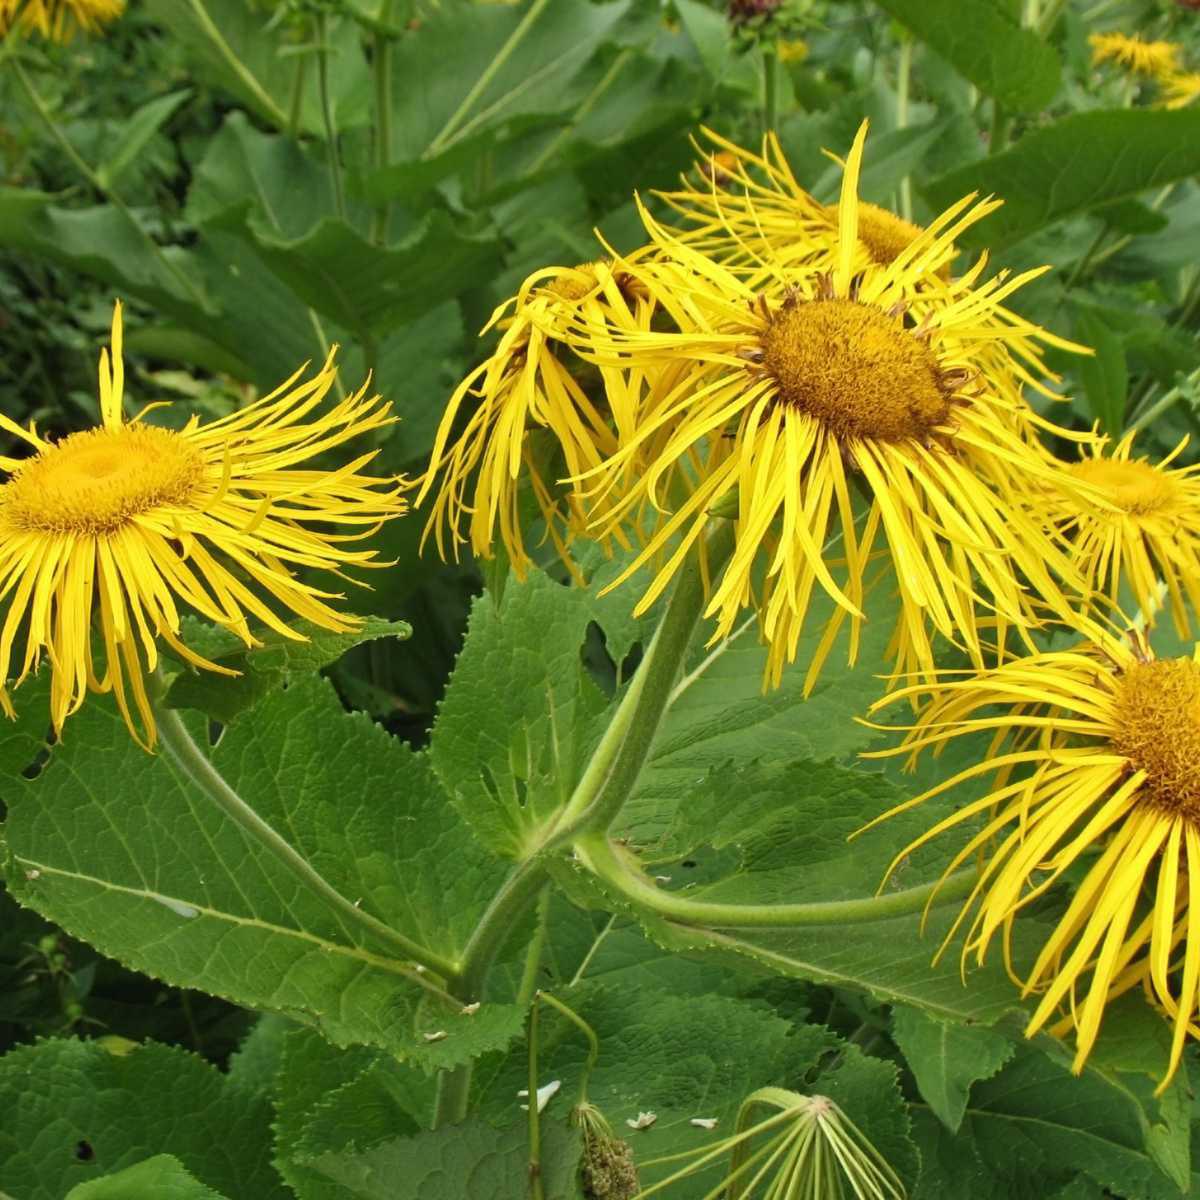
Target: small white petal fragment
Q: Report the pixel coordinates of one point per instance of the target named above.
(544, 1094)
(662, 878)
(704, 1122)
(469, 1010)
(643, 1120)
(437, 1036)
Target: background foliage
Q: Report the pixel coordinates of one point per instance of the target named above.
(176, 1021)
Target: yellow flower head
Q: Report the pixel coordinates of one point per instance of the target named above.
(1094, 775)
(113, 527)
(1156, 59)
(1180, 89)
(534, 420)
(750, 207)
(795, 396)
(58, 20)
(1147, 528)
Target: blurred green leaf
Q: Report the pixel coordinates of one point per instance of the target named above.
(1105, 380)
(140, 128)
(1004, 61)
(1081, 162)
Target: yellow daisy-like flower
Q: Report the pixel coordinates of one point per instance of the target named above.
(800, 392)
(753, 208)
(1156, 59)
(118, 524)
(1148, 529)
(534, 420)
(1095, 776)
(58, 20)
(1180, 89)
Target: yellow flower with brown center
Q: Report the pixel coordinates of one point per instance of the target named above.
(534, 420)
(1146, 530)
(58, 20)
(1093, 781)
(784, 402)
(1180, 89)
(111, 531)
(1156, 59)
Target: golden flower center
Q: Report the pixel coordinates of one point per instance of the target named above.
(1157, 728)
(94, 482)
(574, 284)
(1134, 487)
(883, 233)
(856, 369)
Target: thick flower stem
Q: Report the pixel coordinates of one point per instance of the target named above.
(382, 68)
(331, 135)
(195, 765)
(622, 875)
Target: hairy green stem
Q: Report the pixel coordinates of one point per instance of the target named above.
(261, 96)
(196, 766)
(109, 194)
(296, 104)
(588, 1032)
(331, 137)
(381, 66)
(536, 1189)
(770, 72)
(533, 952)
(903, 80)
(621, 874)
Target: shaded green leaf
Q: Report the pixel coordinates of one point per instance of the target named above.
(140, 127)
(1105, 381)
(1079, 163)
(946, 1059)
(75, 1112)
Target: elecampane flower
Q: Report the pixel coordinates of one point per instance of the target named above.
(1146, 531)
(58, 20)
(1180, 89)
(1156, 59)
(527, 388)
(802, 393)
(110, 531)
(1094, 775)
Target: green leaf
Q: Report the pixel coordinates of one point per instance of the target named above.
(470, 1161)
(75, 1112)
(946, 1059)
(127, 853)
(1104, 375)
(265, 667)
(1035, 1109)
(1011, 64)
(23, 739)
(162, 1177)
(1079, 163)
(508, 765)
(138, 129)
(951, 1168)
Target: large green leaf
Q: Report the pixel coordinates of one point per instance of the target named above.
(126, 852)
(1001, 59)
(74, 1112)
(1084, 161)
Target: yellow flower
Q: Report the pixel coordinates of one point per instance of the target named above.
(1094, 776)
(752, 208)
(119, 523)
(534, 419)
(1130, 51)
(58, 20)
(790, 396)
(1180, 89)
(792, 50)
(1148, 528)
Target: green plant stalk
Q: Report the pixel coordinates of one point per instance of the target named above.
(109, 194)
(584, 1028)
(235, 64)
(533, 953)
(903, 80)
(1161, 405)
(296, 104)
(602, 858)
(382, 69)
(483, 82)
(1001, 128)
(770, 72)
(195, 765)
(536, 1188)
(331, 137)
